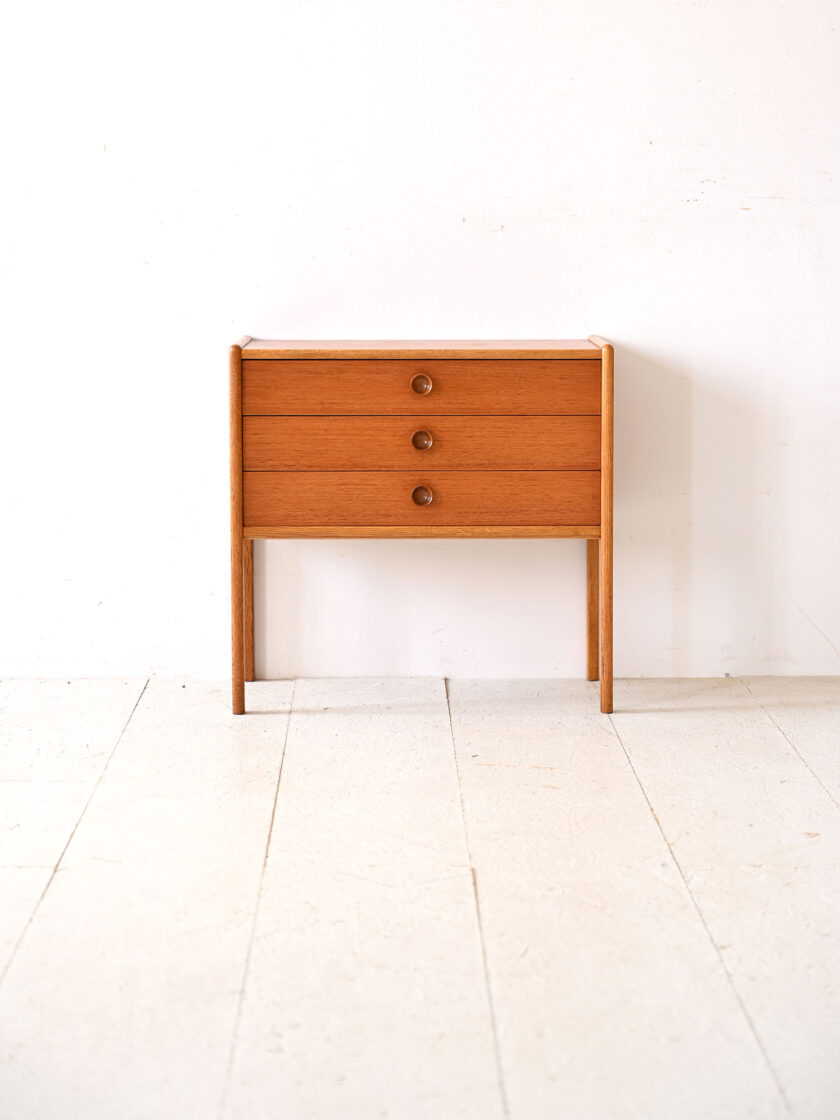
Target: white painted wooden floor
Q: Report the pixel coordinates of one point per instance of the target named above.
(383, 898)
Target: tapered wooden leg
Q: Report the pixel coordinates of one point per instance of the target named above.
(605, 597)
(248, 607)
(592, 610)
(237, 597)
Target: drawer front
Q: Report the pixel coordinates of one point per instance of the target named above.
(342, 443)
(418, 388)
(274, 498)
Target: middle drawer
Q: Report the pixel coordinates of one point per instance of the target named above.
(334, 443)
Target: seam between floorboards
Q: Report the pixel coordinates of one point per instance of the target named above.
(488, 990)
(54, 871)
(792, 746)
(247, 965)
(774, 1076)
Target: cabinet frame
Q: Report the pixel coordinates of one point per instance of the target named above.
(598, 537)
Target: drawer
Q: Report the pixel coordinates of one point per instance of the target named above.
(561, 387)
(297, 498)
(348, 443)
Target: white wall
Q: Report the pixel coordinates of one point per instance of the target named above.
(665, 174)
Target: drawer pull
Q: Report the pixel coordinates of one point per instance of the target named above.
(421, 383)
(422, 440)
(422, 495)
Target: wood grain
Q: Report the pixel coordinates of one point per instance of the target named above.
(236, 539)
(445, 348)
(385, 443)
(385, 497)
(592, 610)
(248, 607)
(606, 546)
(440, 532)
(289, 388)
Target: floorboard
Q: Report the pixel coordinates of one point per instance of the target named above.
(55, 740)
(807, 712)
(526, 911)
(758, 842)
(609, 998)
(366, 994)
(122, 998)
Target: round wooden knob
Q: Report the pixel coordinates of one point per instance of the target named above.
(422, 440)
(422, 495)
(421, 383)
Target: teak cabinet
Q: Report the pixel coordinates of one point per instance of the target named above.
(422, 439)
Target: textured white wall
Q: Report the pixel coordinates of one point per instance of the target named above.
(665, 174)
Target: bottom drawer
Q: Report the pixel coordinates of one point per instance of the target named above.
(414, 498)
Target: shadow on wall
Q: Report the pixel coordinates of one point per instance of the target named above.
(690, 521)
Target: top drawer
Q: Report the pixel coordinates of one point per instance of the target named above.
(409, 387)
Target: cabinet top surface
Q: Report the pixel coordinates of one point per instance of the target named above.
(441, 348)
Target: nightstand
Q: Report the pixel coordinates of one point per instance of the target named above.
(422, 439)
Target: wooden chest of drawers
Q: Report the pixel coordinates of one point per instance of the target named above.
(422, 439)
